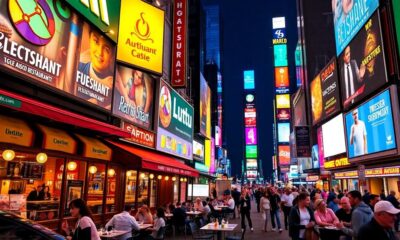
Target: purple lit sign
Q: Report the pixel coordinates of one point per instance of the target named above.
(251, 136)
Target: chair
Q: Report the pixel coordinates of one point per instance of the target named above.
(236, 237)
(196, 232)
(161, 233)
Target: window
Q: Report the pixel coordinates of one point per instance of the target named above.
(113, 173)
(130, 191)
(96, 176)
(143, 189)
(76, 173)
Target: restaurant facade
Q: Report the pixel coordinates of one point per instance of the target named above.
(81, 119)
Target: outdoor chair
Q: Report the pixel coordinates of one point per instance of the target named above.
(196, 232)
(236, 237)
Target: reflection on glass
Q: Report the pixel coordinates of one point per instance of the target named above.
(112, 174)
(130, 191)
(143, 190)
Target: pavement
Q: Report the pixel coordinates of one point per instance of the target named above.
(258, 225)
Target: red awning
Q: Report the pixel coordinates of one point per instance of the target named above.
(31, 106)
(158, 162)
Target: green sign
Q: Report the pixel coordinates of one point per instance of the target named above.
(251, 151)
(280, 55)
(396, 11)
(5, 100)
(102, 13)
(201, 167)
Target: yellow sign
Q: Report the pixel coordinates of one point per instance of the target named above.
(54, 139)
(283, 101)
(341, 162)
(141, 35)
(207, 153)
(15, 131)
(95, 149)
(349, 174)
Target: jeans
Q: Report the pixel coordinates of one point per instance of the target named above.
(246, 212)
(267, 213)
(275, 214)
(286, 211)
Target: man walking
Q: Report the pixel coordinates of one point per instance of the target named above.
(287, 204)
(275, 201)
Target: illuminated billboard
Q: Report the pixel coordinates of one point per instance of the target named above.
(248, 78)
(333, 137)
(280, 55)
(251, 136)
(281, 77)
(251, 151)
(251, 164)
(278, 22)
(284, 155)
(283, 132)
(283, 114)
(282, 101)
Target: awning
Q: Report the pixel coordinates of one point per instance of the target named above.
(23, 104)
(58, 140)
(15, 131)
(95, 148)
(158, 162)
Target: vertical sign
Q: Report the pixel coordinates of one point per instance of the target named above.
(178, 78)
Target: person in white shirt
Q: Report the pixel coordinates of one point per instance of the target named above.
(124, 221)
(266, 207)
(287, 204)
(156, 231)
(358, 135)
(230, 203)
(198, 205)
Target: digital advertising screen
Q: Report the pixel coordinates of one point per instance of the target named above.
(251, 174)
(396, 13)
(284, 155)
(320, 141)
(248, 78)
(198, 150)
(283, 114)
(349, 17)
(315, 156)
(362, 64)
(251, 136)
(299, 106)
(251, 164)
(325, 93)
(370, 127)
(251, 151)
(333, 137)
(134, 96)
(59, 50)
(280, 55)
(283, 132)
(282, 101)
(281, 78)
(205, 108)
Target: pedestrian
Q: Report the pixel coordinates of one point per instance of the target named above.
(287, 204)
(325, 217)
(266, 207)
(257, 196)
(245, 207)
(301, 218)
(333, 203)
(381, 225)
(344, 214)
(236, 198)
(361, 215)
(366, 196)
(124, 221)
(85, 228)
(275, 201)
(373, 199)
(382, 195)
(392, 199)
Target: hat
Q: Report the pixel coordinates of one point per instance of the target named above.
(318, 202)
(385, 206)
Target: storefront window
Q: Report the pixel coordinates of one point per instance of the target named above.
(143, 190)
(113, 173)
(153, 187)
(130, 191)
(29, 188)
(176, 191)
(353, 184)
(76, 173)
(97, 174)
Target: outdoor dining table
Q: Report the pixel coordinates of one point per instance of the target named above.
(219, 228)
(193, 213)
(169, 215)
(111, 234)
(145, 226)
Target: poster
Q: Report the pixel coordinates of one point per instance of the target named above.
(284, 155)
(325, 99)
(349, 17)
(18, 202)
(251, 136)
(56, 50)
(205, 108)
(4, 202)
(303, 141)
(74, 191)
(362, 64)
(134, 96)
(370, 127)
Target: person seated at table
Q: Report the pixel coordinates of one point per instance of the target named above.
(171, 208)
(144, 215)
(179, 216)
(325, 217)
(158, 224)
(124, 221)
(206, 211)
(183, 206)
(230, 203)
(198, 205)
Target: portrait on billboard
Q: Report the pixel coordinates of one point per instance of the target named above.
(133, 96)
(362, 64)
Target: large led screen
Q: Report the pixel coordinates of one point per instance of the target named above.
(370, 127)
(362, 64)
(349, 17)
(280, 55)
(299, 106)
(283, 132)
(251, 174)
(205, 108)
(284, 155)
(396, 13)
(48, 44)
(325, 99)
(281, 77)
(333, 137)
(251, 136)
(251, 151)
(248, 78)
(251, 164)
(198, 150)
(134, 96)
(282, 101)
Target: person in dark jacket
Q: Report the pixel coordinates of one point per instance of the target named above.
(381, 225)
(236, 197)
(392, 199)
(382, 195)
(275, 201)
(301, 218)
(245, 207)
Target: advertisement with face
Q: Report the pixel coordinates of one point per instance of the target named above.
(175, 124)
(205, 108)
(348, 18)
(56, 50)
(370, 127)
(362, 64)
(133, 96)
(325, 99)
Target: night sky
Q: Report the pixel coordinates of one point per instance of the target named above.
(246, 44)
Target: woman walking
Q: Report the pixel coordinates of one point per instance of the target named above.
(85, 229)
(245, 210)
(266, 207)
